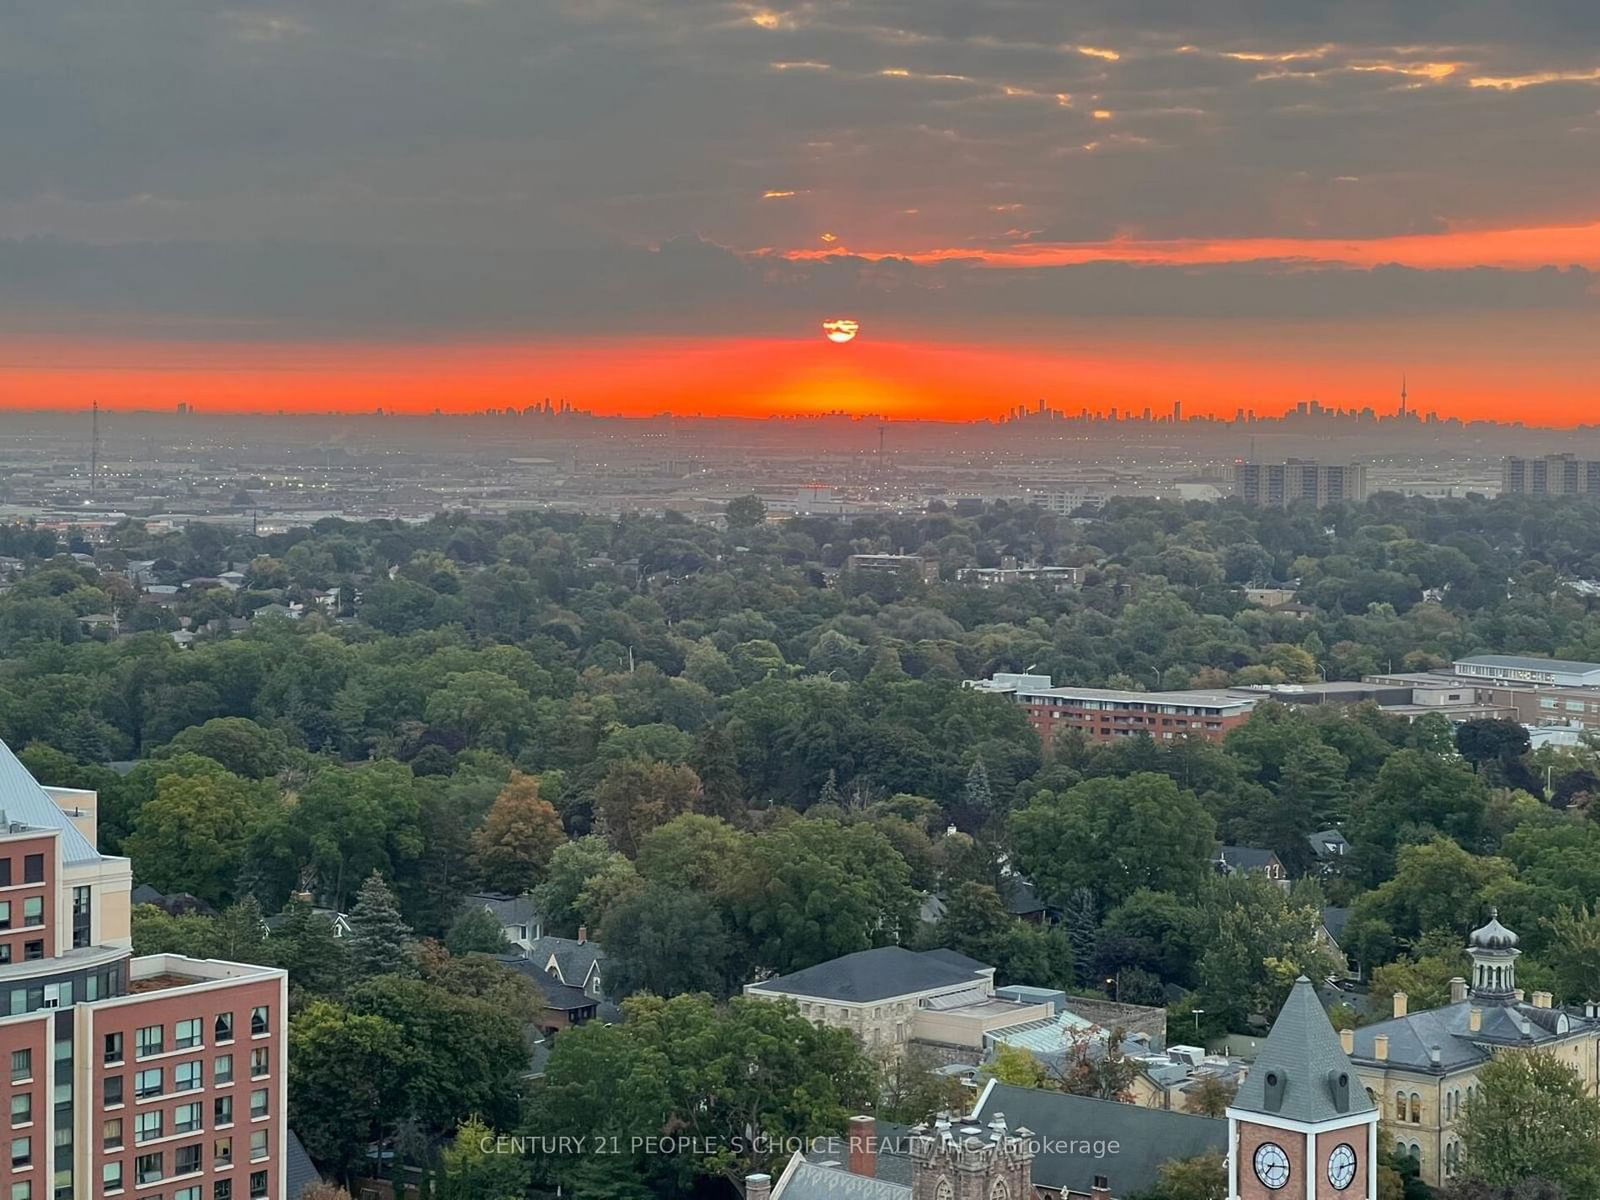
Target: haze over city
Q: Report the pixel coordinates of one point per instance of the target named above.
(457, 206)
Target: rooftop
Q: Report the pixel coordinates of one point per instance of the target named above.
(1303, 1053)
(869, 975)
(1528, 662)
(24, 802)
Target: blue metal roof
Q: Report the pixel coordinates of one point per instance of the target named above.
(24, 802)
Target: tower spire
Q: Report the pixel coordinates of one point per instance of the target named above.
(1402, 393)
(94, 448)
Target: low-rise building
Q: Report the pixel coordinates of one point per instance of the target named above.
(1109, 714)
(891, 996)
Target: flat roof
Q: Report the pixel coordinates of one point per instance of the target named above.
(1526, 662)
(1203, 699)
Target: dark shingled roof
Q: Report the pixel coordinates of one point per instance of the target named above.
(299, 1172)
(1146, 1137)
(1413, 1037)
(1334, 920)
(1305, 1050)
(574, 959)
(1246, 858)
(869, 975)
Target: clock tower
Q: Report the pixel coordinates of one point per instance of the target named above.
(1302, 1126)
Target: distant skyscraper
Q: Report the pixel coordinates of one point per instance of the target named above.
(1177, 411)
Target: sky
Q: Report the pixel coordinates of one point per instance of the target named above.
(642, 205)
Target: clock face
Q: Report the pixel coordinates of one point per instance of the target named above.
(1342, 1166)
(1272, 1165)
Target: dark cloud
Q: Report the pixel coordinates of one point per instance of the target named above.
(351, 167)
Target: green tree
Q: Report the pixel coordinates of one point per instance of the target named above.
(1211, 1096)
(191, 836)
(471, 1168)
(690, 851)
(665, 940)
(476, 931)
(1574, 952)
(1259, 940)
(238, 743)
(303, 943)
(582, 876)
(914, 1090)
(745, 1078)
(1015, 1066)
(746, 512)
(380, 941)
(812, 890)
(1533, 1118)
(1115, 836)
(1204, 1177)
(347, 1077)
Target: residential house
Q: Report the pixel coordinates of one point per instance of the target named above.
(1330, 936)
(521, 922)
(1330, 847)
(1232, 860)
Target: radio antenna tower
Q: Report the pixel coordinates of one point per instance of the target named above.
(94, 448)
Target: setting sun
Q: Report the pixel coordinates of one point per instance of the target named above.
(841, 329)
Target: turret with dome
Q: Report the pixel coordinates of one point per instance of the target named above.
(1493, 951)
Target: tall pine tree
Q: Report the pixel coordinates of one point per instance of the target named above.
(977, 798)
(381, 943)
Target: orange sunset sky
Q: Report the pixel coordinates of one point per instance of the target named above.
(310, 210)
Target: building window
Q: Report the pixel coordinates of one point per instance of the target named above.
(258, 1145)
(21, 1152)
(186, 1034)
(259, 1021)
(5, 872)
(150, 1040)
(222, 1151)
(22, 1108)
(111, 1134)
(113, 1048)
(147, 1083)
(222, 1028)
(222, 1189)
(222, 1111)
(33, 951)
(188, 1193)
(111, 1177)
(187, 1160)
(258, 1185)
(260, 1062)
(22, 1191)
(111, 1089)
(80, 916)
(222, 1069)
(33, 869)
(258, 1103)
(186, 1077)
(21, 1065)
(147, 1168)
(1399, 1106)
(1416, 1109)
(148, 1126)
(5, 952)
(186, 1118)
(5, 914)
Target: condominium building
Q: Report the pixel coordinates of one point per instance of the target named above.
(1278, 485)
(1552, 475)
(1107, 714)
(158, 1077)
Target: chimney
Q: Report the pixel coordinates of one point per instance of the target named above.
(1591, 1009)
(757, 1187)
(1520, 996)
(1101, 1189)
(1474, 1020)
(583, 934)
(1458, 990)
(1400, 999)
(1435, 1056)
(863, 1136)
(1543, 1000)
(1347, 1040)
(1380, 1047)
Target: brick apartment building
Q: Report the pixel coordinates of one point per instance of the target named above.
(154, 1078)
(1104, 714)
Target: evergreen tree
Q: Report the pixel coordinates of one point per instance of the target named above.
(830, 790)
(380, 940)
(978, 798)
(722, 791)
(303, 943)
(1081, 919)
(241, 932)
